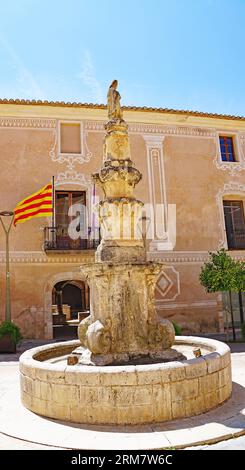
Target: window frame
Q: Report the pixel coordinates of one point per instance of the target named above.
(70, 193)
(240, 202)
(236, 149)
(233, 153)
(67, 121)
(63, 239)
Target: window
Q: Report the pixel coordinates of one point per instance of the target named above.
(227, 149)
(64, 200)
(70, 231)
(235, 224)
(70, 138)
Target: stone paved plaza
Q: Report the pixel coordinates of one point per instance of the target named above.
(222, 428)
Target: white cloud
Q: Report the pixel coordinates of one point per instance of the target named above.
(89, 78)
(26, 84)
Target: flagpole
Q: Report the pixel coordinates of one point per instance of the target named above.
(94, 237)
(7, 231)
(53, 213)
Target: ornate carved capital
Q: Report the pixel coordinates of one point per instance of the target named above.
(153, 141)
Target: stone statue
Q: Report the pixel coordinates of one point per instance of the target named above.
(113, 102)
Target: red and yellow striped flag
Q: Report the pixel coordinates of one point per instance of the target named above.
(37, 205)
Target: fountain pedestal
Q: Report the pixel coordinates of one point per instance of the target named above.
(123, 325)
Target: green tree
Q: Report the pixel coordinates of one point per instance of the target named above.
(223, 274)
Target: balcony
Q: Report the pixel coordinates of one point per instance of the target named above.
(57, 239)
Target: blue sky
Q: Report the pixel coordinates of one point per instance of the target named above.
(181, 54)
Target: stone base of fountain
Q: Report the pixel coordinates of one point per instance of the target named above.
(86, 357)
(126, 394)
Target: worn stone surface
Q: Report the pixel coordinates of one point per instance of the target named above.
(123, 321)
(134, 394)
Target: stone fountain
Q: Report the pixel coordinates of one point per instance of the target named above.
(124, 368)
(123, 324)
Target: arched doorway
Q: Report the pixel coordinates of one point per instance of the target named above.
(70, 300)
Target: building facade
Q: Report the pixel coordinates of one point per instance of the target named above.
(193, 167)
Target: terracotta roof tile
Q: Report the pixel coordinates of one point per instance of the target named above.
(126, 108)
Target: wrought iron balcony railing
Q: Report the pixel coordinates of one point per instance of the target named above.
(236, 241)
(57, 239)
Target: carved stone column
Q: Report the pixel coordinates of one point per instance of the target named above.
(123, 324)
(157, 190)
(120, 212)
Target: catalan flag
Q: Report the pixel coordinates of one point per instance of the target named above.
(37, 205)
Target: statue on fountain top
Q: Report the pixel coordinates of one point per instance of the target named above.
(113, 102)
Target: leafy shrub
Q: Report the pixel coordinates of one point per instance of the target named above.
(222, 273)
(177, 329)
(7, 327)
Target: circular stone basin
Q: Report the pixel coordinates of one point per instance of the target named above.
(131, 394)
